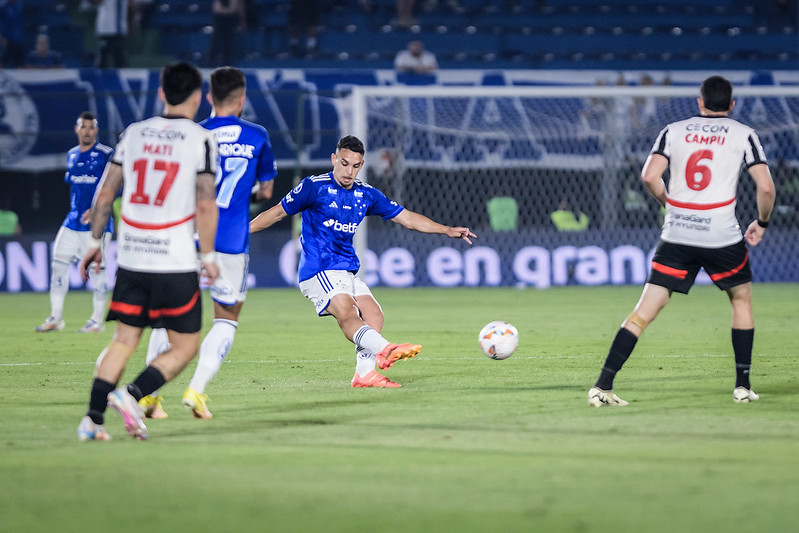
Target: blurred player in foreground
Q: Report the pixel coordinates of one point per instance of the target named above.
(167, 165)
(704, 154)
(85, 165)
(245, 157)
(332, 206)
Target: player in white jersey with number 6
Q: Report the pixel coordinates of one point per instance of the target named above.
(704, 154)
(166, 166)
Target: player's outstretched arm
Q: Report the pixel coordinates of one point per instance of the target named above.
(652, 176)
(269, 217)
(422, 224)
(100, 213)
(766, 194)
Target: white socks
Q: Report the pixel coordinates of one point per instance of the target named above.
(215, 347)
(159, 343)
(100, 291)
(369, 339)
(365, 361)
(59, 286)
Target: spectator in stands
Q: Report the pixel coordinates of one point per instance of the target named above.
(303, 15)
(228, 15)
(112, 33)
(405, 17)
(12, 39)
(415, 59)
(567, 218)
(42, 56)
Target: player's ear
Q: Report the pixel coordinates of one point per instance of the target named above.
(732, 104)
(209, 99)
(333, 159)
(161, 95)
(700, 104)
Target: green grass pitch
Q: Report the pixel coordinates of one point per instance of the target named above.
(467, 443)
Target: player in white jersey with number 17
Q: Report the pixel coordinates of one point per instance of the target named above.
(705, 154)
(166, 166)
(245, 157)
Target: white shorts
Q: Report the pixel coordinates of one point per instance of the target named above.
(231, 285)
(328, 283)
(71, 245)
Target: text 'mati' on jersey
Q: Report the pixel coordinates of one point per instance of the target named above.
(245, 156)
(160, 159)
(705, 155)
(84, 170)
(330, 216)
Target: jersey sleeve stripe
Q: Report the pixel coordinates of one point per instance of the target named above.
(207, 158)
(142, 225)
(662, 144)
(699, 207)
(756, 154)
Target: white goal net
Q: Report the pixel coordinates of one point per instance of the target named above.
(502, 160)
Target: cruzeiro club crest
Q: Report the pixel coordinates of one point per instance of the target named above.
(19, 121)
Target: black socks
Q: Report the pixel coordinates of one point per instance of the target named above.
(742, 340)
(620, 350)
(149, 381)
(98, 399)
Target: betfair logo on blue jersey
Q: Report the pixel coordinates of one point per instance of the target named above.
(338, 226)
(85, 178)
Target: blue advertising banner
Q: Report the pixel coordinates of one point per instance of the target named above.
(536, 259)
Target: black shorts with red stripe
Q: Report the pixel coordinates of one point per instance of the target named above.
(675, 266)
(159, 300)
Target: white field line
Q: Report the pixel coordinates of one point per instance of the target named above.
(306, 361)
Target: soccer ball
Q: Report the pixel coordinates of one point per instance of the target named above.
(498, 339)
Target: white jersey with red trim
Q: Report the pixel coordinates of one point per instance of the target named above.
(705, 158)
(160, 159)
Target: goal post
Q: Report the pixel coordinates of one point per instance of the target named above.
(504, 160)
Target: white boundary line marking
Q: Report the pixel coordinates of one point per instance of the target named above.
(476, 357)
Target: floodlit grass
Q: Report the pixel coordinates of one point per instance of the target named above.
(467, 444)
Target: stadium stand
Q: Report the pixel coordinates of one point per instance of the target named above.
(610, 34)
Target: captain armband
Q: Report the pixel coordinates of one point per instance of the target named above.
(638, 320)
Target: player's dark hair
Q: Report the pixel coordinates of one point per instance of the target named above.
(179, 80)
(351, 143)
(716, 93)
(87, 115)
(224, 81)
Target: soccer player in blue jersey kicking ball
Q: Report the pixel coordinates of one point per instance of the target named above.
(245, 158)
(332, 206)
